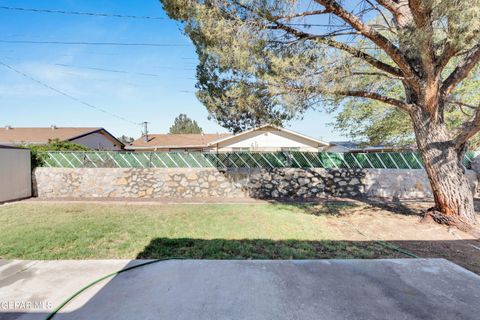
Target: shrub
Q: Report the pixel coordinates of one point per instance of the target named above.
(52, 145)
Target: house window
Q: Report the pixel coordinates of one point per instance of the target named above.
(242, 149)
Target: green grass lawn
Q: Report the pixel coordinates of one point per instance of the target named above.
(226, 231)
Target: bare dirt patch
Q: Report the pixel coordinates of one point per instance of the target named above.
(400, 224)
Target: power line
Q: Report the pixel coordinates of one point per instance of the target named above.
(94, 14)
(67, 95)
(123, 71)
(96, 43)
(110, 70)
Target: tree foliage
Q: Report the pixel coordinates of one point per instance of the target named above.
(183, 124)
(373, 123)
(269, 61)
(125, 139)
(52, 145)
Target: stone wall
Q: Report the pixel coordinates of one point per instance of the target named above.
(232, 183)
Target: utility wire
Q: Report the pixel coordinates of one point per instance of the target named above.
(97, 43)
(114, 43)
(110, 70)
(122, 71)
(99, 14)
(67, 95)
(95, 14)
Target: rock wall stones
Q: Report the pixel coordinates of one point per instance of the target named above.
(285, 183)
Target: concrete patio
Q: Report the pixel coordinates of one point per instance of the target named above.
(243, 289)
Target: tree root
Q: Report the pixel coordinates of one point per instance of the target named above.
(433, 214)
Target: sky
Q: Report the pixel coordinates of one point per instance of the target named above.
(115, 87)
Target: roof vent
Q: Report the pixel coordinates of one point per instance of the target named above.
(53, 127)
(8, 127)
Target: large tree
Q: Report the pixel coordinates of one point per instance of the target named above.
(183, 124)
(297, 54)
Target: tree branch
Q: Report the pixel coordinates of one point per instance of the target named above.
(467, 130)
(448, 53)
(379, 74)
(352, 93)
(463, 104)
(389, 5)
(381, 14)
(329, 42)
(377, 38)
(303, 14)
(461, 71)
(421, 14)
(375, 96)
(341, 46)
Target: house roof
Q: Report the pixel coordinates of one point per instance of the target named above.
(346, 144)
(176, 140)
(36, 135)
(357, 147)
(223, 139)
(12, 147)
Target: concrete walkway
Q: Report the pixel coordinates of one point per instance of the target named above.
(260, 290)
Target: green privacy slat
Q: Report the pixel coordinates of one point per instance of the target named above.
(386, 161)
(290, 159)
(410, 159)
(467, 160)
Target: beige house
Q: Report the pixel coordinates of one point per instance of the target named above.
(262, 139)
(175, 142)
(92, 138)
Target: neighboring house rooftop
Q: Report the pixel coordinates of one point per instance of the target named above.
(267, 126)
(357, 147)
(192, 140)
(264, 138)
(346, 144)
(41, 135)
(12, 147)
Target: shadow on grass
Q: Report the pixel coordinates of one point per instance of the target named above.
(463, 252)
(262, 249)
(347, 206)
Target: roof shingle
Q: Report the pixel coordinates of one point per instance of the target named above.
(178, 140)
(41, 135)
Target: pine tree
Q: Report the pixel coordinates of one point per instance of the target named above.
(183, 124)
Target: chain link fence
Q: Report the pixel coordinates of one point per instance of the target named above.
(291, 159)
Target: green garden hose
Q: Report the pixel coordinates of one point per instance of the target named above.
(394, 247)
(390, 246)
(57, 309)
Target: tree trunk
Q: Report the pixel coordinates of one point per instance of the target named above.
(443, 163)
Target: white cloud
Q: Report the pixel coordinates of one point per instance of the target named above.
(76, 82)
